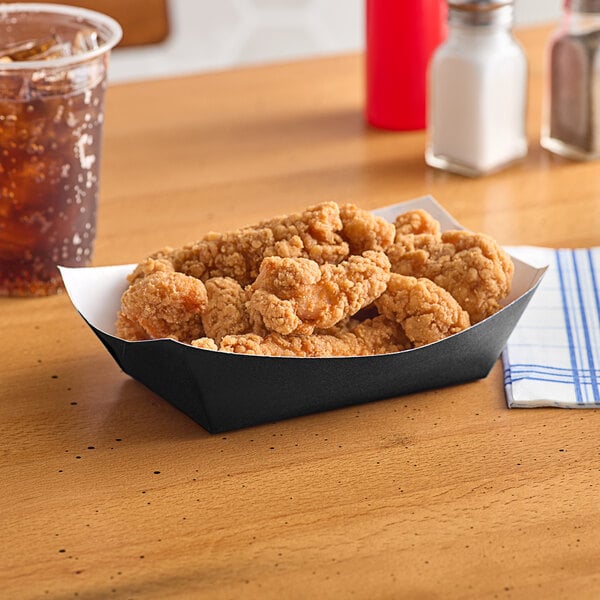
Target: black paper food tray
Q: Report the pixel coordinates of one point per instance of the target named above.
(223, 391)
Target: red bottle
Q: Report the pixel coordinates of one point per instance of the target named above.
(401, 37)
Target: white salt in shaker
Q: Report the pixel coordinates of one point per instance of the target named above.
(571, 115)
(477, 91)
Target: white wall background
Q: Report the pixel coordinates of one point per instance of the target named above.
(220, 34)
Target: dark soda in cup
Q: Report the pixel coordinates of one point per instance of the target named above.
(53, 62)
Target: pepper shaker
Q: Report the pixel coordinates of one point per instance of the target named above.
(571, 108)
(477, 91)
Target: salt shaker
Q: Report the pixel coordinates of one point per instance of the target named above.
(571, 107)
(477, 91)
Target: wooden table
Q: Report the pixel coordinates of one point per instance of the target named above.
(110, 492)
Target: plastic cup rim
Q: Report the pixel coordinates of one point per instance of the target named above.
(112, 26)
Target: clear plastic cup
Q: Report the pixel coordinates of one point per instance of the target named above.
(53, 64)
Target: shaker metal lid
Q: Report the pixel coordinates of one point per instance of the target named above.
(583, 6)
(482, 5)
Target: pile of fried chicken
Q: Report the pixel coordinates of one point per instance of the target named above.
(329, 281)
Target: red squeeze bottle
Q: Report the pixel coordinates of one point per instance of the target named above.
(401, 37)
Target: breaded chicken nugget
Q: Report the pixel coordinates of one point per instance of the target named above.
(225, 311)
(425, 311)
(471, 266)
(364, 231)
(163, 304)
(417, 222)
(374, 336)
(313, 233)
(296, 295)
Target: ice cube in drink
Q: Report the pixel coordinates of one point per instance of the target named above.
(51, 47)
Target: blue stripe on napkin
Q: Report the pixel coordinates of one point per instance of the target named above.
(553, 356)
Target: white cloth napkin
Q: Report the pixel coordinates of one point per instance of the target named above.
(553, 356)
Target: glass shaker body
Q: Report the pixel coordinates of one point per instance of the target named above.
(571, 106)
(477, 95)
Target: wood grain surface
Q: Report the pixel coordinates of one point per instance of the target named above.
(110, 492)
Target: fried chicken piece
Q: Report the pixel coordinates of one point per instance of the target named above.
(374, 336)
(163, 304)
(417, 235)
(153, 264)
(313, 233)
(130, 330)
(481, 273)
(206, 343)
(426, 312)
(471, 266)
(379, 335)
(225, 311)
(364, 231)
(296, 295)
(416, 222)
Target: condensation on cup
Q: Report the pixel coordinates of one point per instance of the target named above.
(53, 64)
